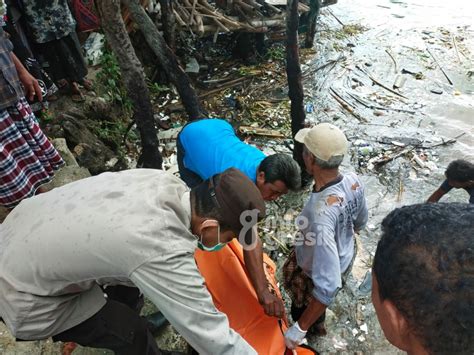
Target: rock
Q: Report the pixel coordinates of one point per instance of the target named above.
(61, 146)
(66, 175)
(192, 66)
(89, 151)
(99, 108)
(403, 140)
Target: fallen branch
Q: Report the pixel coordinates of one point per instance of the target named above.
(261, 132)
(394, 61)
(368, 104)
(375, 81)
(332, 14)
(449, 141)
(346, 105)
(225, 86)
(456, 48)
(385, 160)
(403, 152)
(440, 67)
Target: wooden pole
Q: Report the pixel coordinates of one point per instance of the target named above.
(167, 60)
(293, 71)
(134, 80)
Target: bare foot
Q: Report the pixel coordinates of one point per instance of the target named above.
(76, 94)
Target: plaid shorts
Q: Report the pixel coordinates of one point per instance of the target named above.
(27, 158)
(298, 285)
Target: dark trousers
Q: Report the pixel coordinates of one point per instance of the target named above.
(297, 312)
(117, 326)
(188, 176)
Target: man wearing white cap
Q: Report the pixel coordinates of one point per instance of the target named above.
(325, 245)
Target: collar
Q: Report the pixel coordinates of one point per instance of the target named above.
(337, 180)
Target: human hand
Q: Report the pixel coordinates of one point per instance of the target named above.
(31, 85)
(272, 304)
(294, 336)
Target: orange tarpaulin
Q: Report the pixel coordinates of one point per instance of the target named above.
(233, 294)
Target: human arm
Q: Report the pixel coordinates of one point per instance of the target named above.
(442, 190)
(362, 216)
(30, 84)
(436, 196)
(173, 283)
(271, 303)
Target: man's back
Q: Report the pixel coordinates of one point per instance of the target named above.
(211, 147)
(55, 247)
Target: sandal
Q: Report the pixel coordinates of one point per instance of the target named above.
(76, 94)
(87, 84)
(78, 97)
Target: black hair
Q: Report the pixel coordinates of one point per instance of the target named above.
(460, 170)
(424, 264)
(281, 167)
(204, 204)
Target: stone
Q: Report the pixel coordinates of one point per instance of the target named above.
(67, 175)
(89, 151)
(61, 146)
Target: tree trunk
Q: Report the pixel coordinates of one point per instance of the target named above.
(168, 60)
(315, 6)
(169, 23)
(134, 80)
(293, 71)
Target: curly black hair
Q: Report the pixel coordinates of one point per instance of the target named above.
(424, 264)
(460, 170)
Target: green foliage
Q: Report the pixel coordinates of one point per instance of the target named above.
(109, 79)
(276, 52)
(156, 89)
(46, 116)
(112, 132)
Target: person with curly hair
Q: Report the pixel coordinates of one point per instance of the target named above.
(459, 175)
(423, 278)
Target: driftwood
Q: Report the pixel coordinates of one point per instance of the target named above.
(201, 17)
(260, 132)
(384, 160)
(393, 59)
(387, 159)
(347, 106)
(375, 81)
(368, 104)
(440, 67)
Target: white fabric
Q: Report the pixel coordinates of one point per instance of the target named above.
(129, 228)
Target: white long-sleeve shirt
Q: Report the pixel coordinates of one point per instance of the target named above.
(129, 228)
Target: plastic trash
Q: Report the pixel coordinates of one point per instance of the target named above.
(366, 285)
(365, 149)
(93, 48)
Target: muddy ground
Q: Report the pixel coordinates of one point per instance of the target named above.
(400, 138)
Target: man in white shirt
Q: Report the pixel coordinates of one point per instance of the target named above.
(136, 228)
(325, 244)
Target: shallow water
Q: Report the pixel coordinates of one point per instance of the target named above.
(409, 30)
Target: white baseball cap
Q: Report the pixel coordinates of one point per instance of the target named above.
(324, 140)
